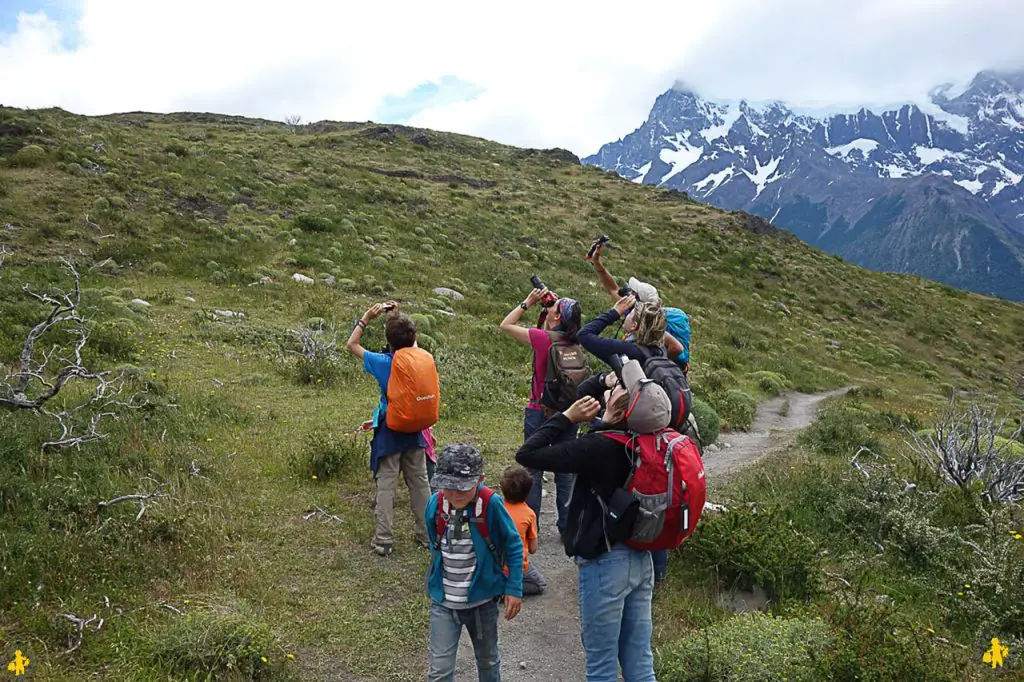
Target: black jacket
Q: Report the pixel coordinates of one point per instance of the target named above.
(601, 465)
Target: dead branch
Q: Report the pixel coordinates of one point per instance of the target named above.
(964, 449)
(80, 625)
(141, 498)
(3, 253)
(855, 464)
(323, 515)
(42, 372)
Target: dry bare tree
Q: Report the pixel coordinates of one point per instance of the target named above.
(46, 367)
(968, 448)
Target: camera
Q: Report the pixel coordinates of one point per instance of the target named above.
(388, 307)
(603, 239)
(625, 291)
(549, 298)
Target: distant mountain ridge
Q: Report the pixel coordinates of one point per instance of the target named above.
(934, 189)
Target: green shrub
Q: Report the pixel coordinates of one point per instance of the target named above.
(100, 205)
(736, 408)
(212, 645)
(423, 322)
(717, 380)
(708, 422)
(747, 547)
(770, 383)
(750, 647)
(328, 456)
(841, 431)
(29, 156)
(427, 342)
(311, 222)
(158, 268)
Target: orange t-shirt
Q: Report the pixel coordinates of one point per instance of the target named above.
(526, 524)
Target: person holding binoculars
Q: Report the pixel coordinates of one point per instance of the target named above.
(559, 321)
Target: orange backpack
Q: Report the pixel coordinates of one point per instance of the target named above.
(414, 391)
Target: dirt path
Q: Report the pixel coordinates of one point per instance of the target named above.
(543, 643)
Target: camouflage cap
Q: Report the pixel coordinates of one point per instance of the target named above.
(459, 467)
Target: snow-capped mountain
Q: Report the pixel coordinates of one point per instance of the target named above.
(933, 188)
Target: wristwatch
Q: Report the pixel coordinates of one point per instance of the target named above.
(524, 306)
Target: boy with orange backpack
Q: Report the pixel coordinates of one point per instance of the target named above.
(409, 404)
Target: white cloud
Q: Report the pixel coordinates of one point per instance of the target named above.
(570, 74)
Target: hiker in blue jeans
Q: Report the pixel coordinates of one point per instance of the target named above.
(616, 582)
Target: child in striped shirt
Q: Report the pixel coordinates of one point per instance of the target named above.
(472, 538)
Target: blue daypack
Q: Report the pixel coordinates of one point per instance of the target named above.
(679, 327)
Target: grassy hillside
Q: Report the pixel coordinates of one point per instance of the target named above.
(194, 213)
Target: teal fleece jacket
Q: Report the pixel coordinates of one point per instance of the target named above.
(489, 579)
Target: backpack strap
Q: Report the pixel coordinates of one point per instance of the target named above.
(629, 439)
(478, 519)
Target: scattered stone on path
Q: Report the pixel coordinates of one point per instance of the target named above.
(302, 279)
(727, 445)
(783, 308)
(446, 313)
(449, 293)
(832, 343)
(190, 299)
(330, 280)
(522, 665)
(293, 241)
(140, 302)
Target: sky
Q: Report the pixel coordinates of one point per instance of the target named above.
(557, 73)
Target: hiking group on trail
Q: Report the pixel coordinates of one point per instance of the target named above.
(627, 490)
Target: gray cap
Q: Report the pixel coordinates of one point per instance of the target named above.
(650, 409)
(644, 292)
(459, 467)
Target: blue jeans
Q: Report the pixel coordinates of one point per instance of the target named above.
(446, 628)
(615, 615)
(533, 420)
(660, 559)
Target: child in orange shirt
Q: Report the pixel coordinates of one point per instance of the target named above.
(515, 487)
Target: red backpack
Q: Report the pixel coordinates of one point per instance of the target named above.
(479, 519)
(667, 479)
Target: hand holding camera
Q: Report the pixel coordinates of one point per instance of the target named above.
(545, 296)
(625, 304)
(594, 254)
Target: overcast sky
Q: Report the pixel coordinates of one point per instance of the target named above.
(533, 73)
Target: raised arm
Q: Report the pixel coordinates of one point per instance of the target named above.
(590, 335)
(510, 325)
(354, 345)
(672, 345)
(607, 281)
(542, 451)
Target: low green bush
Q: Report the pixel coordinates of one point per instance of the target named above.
(736, 408)
(842, 430)
(750, 647)
(29, 156)
(326, 455)
(770, 383)
(310, 222)
(708, 422)
(216, 645)
(747, 547)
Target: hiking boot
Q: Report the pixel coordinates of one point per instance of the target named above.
(380, 550)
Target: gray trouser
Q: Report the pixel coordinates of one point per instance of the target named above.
(411, 464)
(533, 581)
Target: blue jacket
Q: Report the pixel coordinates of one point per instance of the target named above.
(489, 578)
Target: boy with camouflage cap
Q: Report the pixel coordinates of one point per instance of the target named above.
(472, 539)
